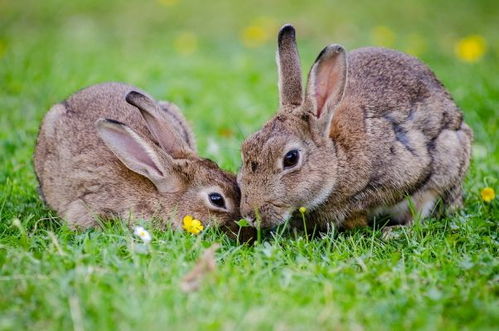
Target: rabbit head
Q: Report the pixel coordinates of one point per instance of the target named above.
(193, 185)
(291, 161)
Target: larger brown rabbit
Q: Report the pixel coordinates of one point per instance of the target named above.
(90, 163)
(374, 131)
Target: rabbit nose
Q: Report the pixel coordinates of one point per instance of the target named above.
(244, 206)
(251, 221)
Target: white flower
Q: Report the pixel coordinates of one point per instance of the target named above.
(142, 234)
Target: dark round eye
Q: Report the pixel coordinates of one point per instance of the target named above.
(291, 159)
(217, 200)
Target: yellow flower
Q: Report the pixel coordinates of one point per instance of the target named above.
(186, 43)
(254, 36)
(488, 194)
(383, 36)
(303, 210)
(471, 48)
(192, 225)
(258, 32)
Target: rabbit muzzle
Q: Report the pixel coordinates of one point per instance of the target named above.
(267, 215)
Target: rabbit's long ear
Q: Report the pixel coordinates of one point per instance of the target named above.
(138, 155)
(288, 64)
(158, 124)
(326, 84)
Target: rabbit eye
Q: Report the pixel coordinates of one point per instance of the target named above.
(217, 200)
(291, 159)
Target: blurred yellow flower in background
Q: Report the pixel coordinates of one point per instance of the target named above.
(186, 43)
(167, 3)
(488, 194)
(383, 36)
(192, 225)
(471, 48)
(258, 32)
(225, 132)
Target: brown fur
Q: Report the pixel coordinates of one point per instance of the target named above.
(391, 132)
(81, 178)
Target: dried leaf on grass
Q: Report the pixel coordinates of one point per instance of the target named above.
(205, 265)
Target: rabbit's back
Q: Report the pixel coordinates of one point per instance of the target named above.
(405, 130)
(71, 161)
(392, 84)
(106, 100)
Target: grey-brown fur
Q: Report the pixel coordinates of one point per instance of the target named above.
(81, 177)
(391, 132)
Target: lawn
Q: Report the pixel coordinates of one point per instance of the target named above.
(216, 60)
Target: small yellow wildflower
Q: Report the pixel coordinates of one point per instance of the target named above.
(254, 36)
(186, 43)
(192, 225)
(142, 234)
(303, 210)
(471, 48)
(383, 36)
(258, 32)
(488, 194)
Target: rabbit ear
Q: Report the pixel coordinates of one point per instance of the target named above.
(165, 133)
(288, 64)
(326, 83)
(137, 154)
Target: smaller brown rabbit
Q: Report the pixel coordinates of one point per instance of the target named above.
(374, 132)
(90, 163)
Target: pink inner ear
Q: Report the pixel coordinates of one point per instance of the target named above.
(127, 148)
(328, 81)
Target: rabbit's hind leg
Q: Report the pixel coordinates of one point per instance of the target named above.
(78, 215)
(417, 206)
(453, 198)
(355, 220)
(450, 159)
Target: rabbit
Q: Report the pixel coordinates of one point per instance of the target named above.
(375, 133)
(90, 164)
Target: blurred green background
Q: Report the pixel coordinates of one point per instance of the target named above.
(215, 59)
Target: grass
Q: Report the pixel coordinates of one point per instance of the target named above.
(439, 274)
